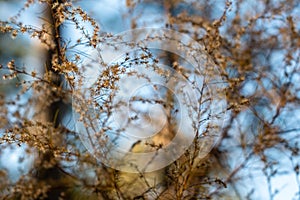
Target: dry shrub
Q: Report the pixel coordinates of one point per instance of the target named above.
(254, 44)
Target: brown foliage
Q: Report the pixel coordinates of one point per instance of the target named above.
(255, 46)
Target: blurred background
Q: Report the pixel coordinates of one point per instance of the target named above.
(256, 44)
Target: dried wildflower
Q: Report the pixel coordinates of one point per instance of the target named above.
(14, 34)
(33, 74)
(23, 29)
(260, 91)
(11, 65)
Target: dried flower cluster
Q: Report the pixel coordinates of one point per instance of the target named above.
(255, 46)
